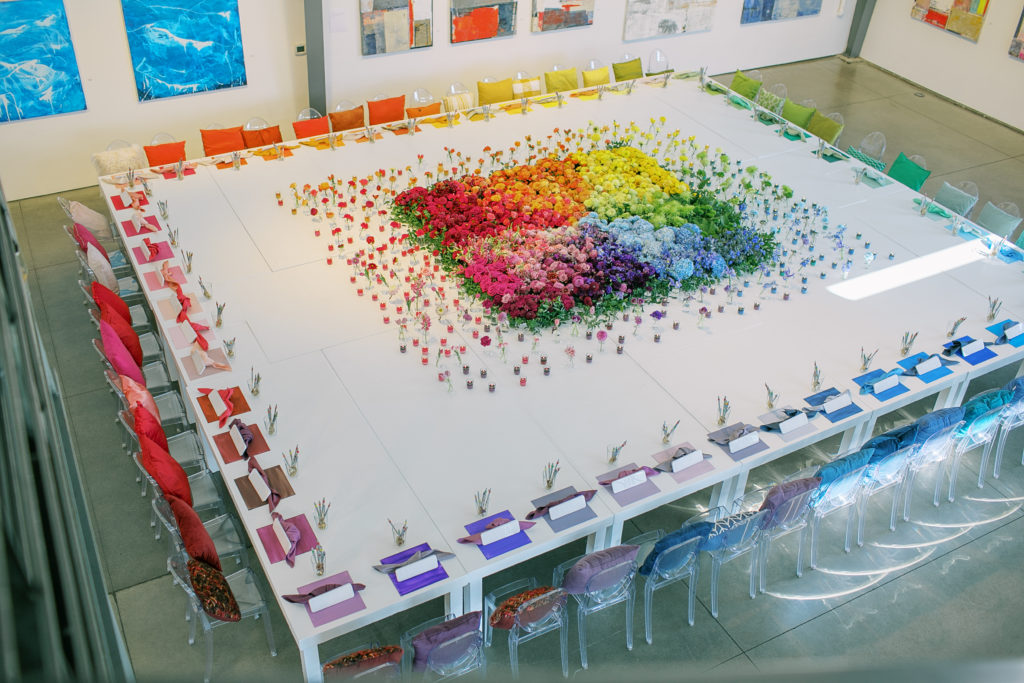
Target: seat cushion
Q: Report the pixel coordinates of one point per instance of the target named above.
(167, 153)
(696, 530)
(937, 420)
(627, 71)
(262, 137)
(526, 87)
(797, 114)
(164, 469)
(387, 110)
(353, 663)
(955, 199)
(104, 295)
(504, 615)
(311, 127)
(222, 141)
(347, 119)
(458, 102)
(745, 85)
(588, 567)
(118, 355)
(840, 467)
(147, 424)
(718, 536)
(825, 128)
(997, 221)
(194, 535)
(559, 81)
(907, 172)
(860, 156)
(781, 493)
(432, 109)
(213, 591)
(595, 77)
(125, 333)
(136, 394)
(494, 92)
(426, 640)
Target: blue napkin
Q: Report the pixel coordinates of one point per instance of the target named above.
(867, 382)
(997, 330)
(928, 377)
(1006, 253)
(817, 401)
(956, 346)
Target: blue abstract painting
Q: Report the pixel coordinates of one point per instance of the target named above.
(755, 11)
(38, 69)
(185, 47)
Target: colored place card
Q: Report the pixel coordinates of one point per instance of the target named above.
(258, 485)
(414, 583)
(118, 201)
(684, 461)
(972, 350)
(278, 482)
(631, 488)
(820, 399)
(132, 231)
(1014, 333)
(276, 551)
(926, 366)
(752, 447)
(571, 519)
(500, 546)
(885, 389)
(337, 610)
(238, 405)
(230, 454)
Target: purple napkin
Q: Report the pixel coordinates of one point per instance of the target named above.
(275, 553)
(342, 609)
(304, 598)
(498, 547)
(294, 535)
(419, 581)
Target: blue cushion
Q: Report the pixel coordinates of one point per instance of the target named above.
(937, 420)
(699, 529)
(1016, 387)
(829, 472)
(718, 537)
(981, 404)
(893, 440)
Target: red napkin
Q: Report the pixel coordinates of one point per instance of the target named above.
(154, 250)
(226, 395)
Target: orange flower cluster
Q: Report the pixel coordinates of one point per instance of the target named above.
(550, 183)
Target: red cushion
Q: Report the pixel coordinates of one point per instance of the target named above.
(194, 535)
(124, 332)
(164, 469)
(102, 294)
(167, 153)
(119, 357)
(348, 119)
(85, 237)
(222, 141)
(386, 111)
(504, 615)
(213, 591)
(147, 424)
(351, 664)
(428, 110)
(262, 137)
(311, 127)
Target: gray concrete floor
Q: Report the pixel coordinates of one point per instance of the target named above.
(945, 587)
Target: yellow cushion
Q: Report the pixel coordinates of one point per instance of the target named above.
(493, 93)
(595, 77)
(557, 81)
(526, 87)
(453, 103)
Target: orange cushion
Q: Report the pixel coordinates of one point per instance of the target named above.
(386, 111)
(348, 119)
(419, 112)
(167, 153)
(311, 127)
(262, 137)
(165, 470)
(124, 332)
(222, 141)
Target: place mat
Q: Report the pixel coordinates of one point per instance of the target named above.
(180, 341)
(502, 546)
(630, 495)
(163, 252)
(337, 611)
(215, 354)
(403, 131)
(876, 179)
(275, 553)
(416, 582)
(977, 357)
(927, 377)
(690, 472)
(227, 164)
(885, 395)
(169, 308)
(278, 481)
(129, 227)
(238, 403)
(155, 281)
(997, 330)
(171, 175)
(830, 156)
(271, 155)
(798, 433)
(741, 454)
(226, 447)
(818, 399)
(570, 520)
(119, 205)
(376, 136)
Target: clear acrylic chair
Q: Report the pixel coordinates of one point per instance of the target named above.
(205, 496)
(779, 90)
(452, 658)
(873, 145)
(345, 105)
(534, 618)
(119, 263)
(608, 587)
(738, 539)
(754, 74)
(173, 417)
(520, 75)
(162, 139)
(154, 374)
(421, 97)
(593, 64)
(228, 540)
(838, 118)
(888, 473)
(981, 432)
(657, 63)
(1009, 207)
(256, 123)
(842, 493)
(790, 517)
(127, 286)
(185, 448)
(934, 451)
(117, 144)
(247, 594)
(673, 564)
(1012, 418)
(307, 114)
(140, 320)
(809, 102)
(919, 160)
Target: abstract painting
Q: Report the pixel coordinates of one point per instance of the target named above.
(660, 18)
(549, 15)
(184, 47)
(757, 11)
(388, 26)
(482, 19)
(962, 17)
(1017, 44)
(38, 69)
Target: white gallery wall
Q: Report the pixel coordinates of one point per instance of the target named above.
(44, 155)
(979, 75)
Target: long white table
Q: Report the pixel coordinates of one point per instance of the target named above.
(381, 437)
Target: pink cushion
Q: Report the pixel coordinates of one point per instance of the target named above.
(124, 332)
(100, 267)
(136, 394)
(118, 356)
(84, 237)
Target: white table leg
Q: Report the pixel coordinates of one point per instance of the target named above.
(614, 533)
(311, 670)
(453, 601)
(473, 596)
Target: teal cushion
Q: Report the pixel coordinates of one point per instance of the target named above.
(797, 114)
(907, 172)
(839, 467)
(955, 199)
(997, 221)
(982, 403)
(860, 156)
(744, 85)
(699, 529)
(1016, 387)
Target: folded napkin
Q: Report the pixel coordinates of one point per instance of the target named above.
(186, 303)
(169, 279)
(543, 509)
(741, 102)
(957, 346)
(788, 412)
(198, 329)
(475, 538)
(294, 535)
(303, 598)
(1006, 253)
(154, 250)
(207, 361)
(937, 209)
(415, 557)
(226, 395)
(912, 372)
(244, 431)
(628, 471)
(1002, 338)
(681, 452)
(725, 437)
(275, 498)
(869, 387)
(715, 87)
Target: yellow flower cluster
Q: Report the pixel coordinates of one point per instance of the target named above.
(624, 179)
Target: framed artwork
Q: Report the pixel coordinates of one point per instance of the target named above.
(38, 70)
(759, 11)
(184, 49)
(549, 15)
(482, 19)
(660, 18)
(387, 26)
(962, 17)
(1017, 44)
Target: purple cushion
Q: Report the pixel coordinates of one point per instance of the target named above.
(579, 575)
(780, 493)
(428, 639)
(118, 355)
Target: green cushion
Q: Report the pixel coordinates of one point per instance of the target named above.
(995, 220)
(627, 71)
(769, 100)
(825, 128)
(558, 81)
(797, 114)
(907, 172)
(955, 199)
(659, 73)
(860, 156)
(744, 85)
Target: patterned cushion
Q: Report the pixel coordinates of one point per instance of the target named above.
(166, 472)
(504, 615)
(458, 102)
(744, 85)
(147, 424)
(425, 641)
(719, 533)
(769, 100)
(699, 529)
(348, 119)
(839, 467)
(102, 294)
(353, 663)
(311, 127)
(100, 267)
(213, 591)
(860, 156)
(780, 493)
(125, 333)
(588, 567)
(118, 356)
(194, 535)
(526, 87)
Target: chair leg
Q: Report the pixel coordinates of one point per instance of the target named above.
(629, 617)
(1003, 434)
(849, 526)
(513, 654)
(755, 553)
(985, 454)
(800, 550)
(939, 478)
(815, 530)
(895, 505)
(648, 605)
(581, 619)
(563, 634)
(762, 573)
(716, 569)
(694, 573)
(908, 493)
(861, 518)
(209, 656)
(265, 615)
